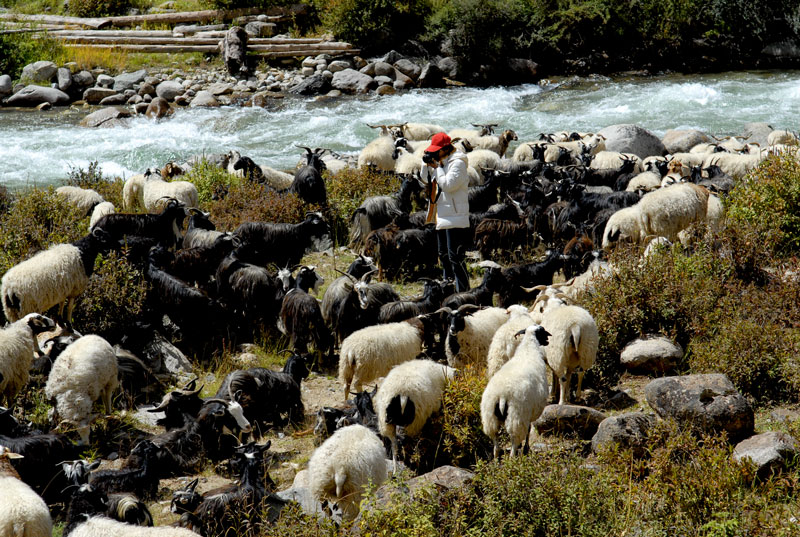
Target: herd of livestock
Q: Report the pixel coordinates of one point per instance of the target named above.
(563, 191)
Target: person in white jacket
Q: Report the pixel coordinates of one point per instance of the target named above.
(448, 167)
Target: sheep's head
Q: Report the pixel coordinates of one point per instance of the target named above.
(536, 332)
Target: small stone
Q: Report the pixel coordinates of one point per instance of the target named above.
(44, 106)
(204, 99)
(569, 420)
(770, 452)
(359, 62)
(96, 94)
(135, 99)
(338, 65)
(35, 95)
(113, 100)
(183, 100)
(626, 430)
(141, 107)
(64, 78)
(651, 354)
(368, 69)
(6, 86)
(128, 80)
(385, 89)
(408, 68)
(309, 62)
(41, 71)
(383, 80)
(385, 69)
(95, 119)
(391, 57)
(83, 79)
(260, 29)
(169, 90)
(147, 89)
(105, 81)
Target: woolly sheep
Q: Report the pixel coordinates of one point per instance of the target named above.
(279, 180)
(23, 513)
(83, 373)
(483, 158)
(407, 163)
(604, 160)
(689, 159)
(497, 144)
(99, 211)
(100, 526)
(378, 153)
(524, 151)
(17, 347)
(517, 394)
(52, 276)
(371, 352)
(344, 465)
(783, 137)
(714, 218)
(132, 193)
(504, 344)
(418, 131)
(623, 225)
(156, 192)
(647, 181)
(83, 198)
(469, 336)
(572, 347)
(408, 396)
(734, 164)
(666, 211)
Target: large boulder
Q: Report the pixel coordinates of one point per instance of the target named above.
(36, 95)
(770, 452)
(128, 80)
(569, 420)
(105, 81)
(626, 431)
(103, 116)
(627, 138)
(83, 79)
(708, 402)
(6, 85)
(314, 85)
(402, 81)
(681, 141)
(234, 52)
(42, 71)
(408, 68)
(351, 81)
(96, 94)
(204, 99)
(169, 89)
(384, 69)
(431, 77)
(64, 78)
(158, 108)
(757, 132)
(651, 354)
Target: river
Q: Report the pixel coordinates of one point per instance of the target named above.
(39, 148)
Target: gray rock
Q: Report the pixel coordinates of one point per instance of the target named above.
(64, 78)
(391, 57)
(135, 99)
(313, 85)
(402, 82)
(96, 94)
(158, 108)
(83, 79)
(183, 100)
(770, 452)
(569, 420)
(787, 48)
(169, 89)
(129, 93)
(651, 354)
(368, 69)
(234, 52)
(147, 89)
(408, 68)
(152, 80)
(6, 86)
(204, 98)
(757, 132)
(327, 75)
(448, 66)
(141, 107)
(431, 77)
(338, 65)
(628, 138)
(147, 98)
(386, 89)
(218, 88)
(42, 71)
(309, 61)
(307, 71)
(105, 81)
(128, 80)
(359, 62)
(260, 29)
(172, 360)
(681, 141)
(626, 431)
(784, 415)
(351, 81)
(36, 95)
(113, 100)
(709, 402)
(95, 119)
(384, 69)
(18, 87)
(383, 80)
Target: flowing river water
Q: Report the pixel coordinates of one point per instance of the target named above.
(40, 148)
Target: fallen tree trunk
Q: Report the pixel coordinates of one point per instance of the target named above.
(186, 16)
(151, 48)
(96, 23)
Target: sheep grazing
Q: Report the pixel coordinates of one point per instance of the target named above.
(283, 244)
(133, 193)
(52, 276)
(517, 394)
(667, 211)
(343, 286)
(99, 211)
(156, 192)
(23, 512)
(18, 346)
(308, 183)
(623, 226)
(85, 372)
(408, 396)
(497, 144)
(344, 465)
(371, 352)
(84, 199)
(301, 317)
(470, 331)
(572, 347)
(504, 344)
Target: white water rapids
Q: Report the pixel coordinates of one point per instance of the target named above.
(38, 148)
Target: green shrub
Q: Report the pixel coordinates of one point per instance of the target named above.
(114, 300)
(768, 200)
(247, 202)
(18, 50)
(92, 177)
(210, 180)
(98, 8)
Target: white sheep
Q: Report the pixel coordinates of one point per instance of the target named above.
(23, 513)
(18, 345)
(279, 180)
(369, 353)
(133, 192)
(666, 211)
(83, 198)
(624, 225)
(782, 137)
(497, 144)
(646, 181)
(572, 347)
(157, 192)
(418, 131)
(689, 159)
(344, 465)
(408, 163)
(50, 277)
(734, 164)
(469, 335)
(517, 394)
(483, 158)
(83, 373)
(408, 396)
(604, 160)
(100, 526)
(524, 151)
(504, 344)
(99, 211)
(378, 154)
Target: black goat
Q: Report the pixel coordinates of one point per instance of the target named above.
(262, 243)
(164, 228)
(514, 278)
(301, 316)
(481, 295)
(608, 176)
(86, 502)
(378, 211)
(484, 196)
(142, 481)
(197, 265)
(179, 407)
(200, 230)
(308, 183)
(400, 310)
(343, 285)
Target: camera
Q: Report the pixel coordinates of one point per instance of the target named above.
(429, 157)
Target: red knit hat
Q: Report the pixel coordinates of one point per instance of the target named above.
(438, 141)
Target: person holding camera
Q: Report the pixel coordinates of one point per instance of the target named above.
(446, 168)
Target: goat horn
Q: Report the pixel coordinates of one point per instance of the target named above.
(215, 400)
(160, 407)
(445, 310)
(290, 351)
(304, 147)
(565, 298)
(346, 274)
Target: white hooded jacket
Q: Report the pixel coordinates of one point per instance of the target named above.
(452, 209)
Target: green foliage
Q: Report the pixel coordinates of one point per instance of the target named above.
(98, 8)
(210, 180)
(117, 287)
(92, 177)
(20, 49)
(247, 202)
(463, 441)
(772, 189)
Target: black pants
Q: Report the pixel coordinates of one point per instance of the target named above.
(452, 249)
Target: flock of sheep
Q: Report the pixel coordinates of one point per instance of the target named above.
(565, 191)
